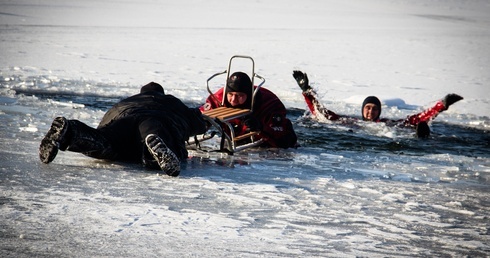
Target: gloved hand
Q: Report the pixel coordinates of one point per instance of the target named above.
(302, 80)
(252, 123)
(450, 99)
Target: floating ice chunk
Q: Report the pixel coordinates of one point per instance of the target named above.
(348, 185)
(28, 129)
(66, 104)
(393, 197)
(455, 210)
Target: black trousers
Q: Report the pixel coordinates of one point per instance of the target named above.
(124, 139)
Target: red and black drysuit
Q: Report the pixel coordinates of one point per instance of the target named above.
(318, 110)
(275, 128)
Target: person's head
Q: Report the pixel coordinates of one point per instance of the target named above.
(371, 109)
(239, 90)
(152, 86)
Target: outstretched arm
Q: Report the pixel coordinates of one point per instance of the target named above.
(316, 108)
(432, 112)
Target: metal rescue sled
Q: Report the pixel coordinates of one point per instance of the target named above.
(220, 118)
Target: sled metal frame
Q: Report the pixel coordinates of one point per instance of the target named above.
(221, 117)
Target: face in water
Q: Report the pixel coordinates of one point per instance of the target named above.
(370, 112)
(236, 98)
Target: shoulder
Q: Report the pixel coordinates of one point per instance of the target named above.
(266, 99)
(266, 93)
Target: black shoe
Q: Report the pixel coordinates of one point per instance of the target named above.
(51, 142)
(167, 160)
(423, 130)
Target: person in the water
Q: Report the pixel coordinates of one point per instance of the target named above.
(371, 109)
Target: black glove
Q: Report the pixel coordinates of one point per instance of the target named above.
(302, 80)
(450, 99)
(252, 123)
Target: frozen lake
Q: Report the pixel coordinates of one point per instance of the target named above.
(368, 191)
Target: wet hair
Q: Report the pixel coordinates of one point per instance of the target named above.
(152, 86)
(240, 82)
(372, 100)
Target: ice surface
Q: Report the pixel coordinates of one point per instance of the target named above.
(367, 191)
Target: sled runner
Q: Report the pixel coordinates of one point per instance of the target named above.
(220, 118)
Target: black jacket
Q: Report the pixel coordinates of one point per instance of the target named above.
(158, 105)
(128, 122)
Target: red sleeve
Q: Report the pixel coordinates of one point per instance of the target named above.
(213, 101)
(317, 109)
(426, 115)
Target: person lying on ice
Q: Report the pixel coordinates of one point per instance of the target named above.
(371, 109)
(269, 113)
(150, 127)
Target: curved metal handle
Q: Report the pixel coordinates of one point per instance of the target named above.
(256, 90)
(209, 90)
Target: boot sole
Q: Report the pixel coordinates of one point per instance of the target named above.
(166, 159)
(51, 142)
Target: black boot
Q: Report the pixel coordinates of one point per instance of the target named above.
(73, 135)
(167, 160)
(54, 140)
